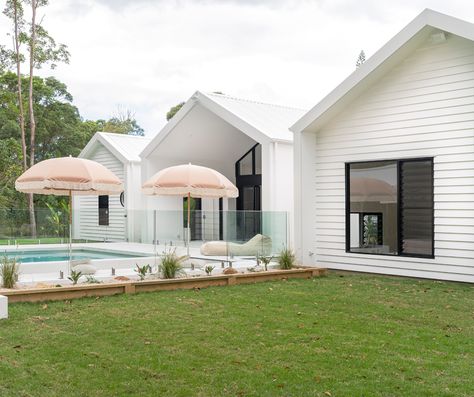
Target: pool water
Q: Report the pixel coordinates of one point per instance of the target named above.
(50, 255)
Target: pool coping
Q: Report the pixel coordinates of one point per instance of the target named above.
(133, 286)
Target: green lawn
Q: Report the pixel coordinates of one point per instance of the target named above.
(356, 335)
(21, 241)
(40, 240)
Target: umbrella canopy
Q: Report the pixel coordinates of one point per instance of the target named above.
(65, 175)
(68, 176)
(372, 189)
(189, 179)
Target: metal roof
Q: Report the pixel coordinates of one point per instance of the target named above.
(126, 147)
(272, 120)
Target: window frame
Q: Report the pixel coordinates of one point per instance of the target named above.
(347, 211)
(103, 211)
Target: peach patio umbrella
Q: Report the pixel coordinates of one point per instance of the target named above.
(372, 189)
(68, 176)
(190, 180)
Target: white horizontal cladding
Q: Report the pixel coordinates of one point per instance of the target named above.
(87, 209)
(422, 108)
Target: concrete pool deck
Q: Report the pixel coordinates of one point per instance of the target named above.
(49, 271)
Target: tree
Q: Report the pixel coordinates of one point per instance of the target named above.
(360, 59)
(173, 111)
(123, 122)
(42, 50)
(60, 130)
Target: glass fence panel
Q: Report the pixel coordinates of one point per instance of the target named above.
(220, 233)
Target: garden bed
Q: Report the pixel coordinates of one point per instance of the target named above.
(133, 286)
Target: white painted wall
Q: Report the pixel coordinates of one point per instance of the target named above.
(86, 213)
(422, 108)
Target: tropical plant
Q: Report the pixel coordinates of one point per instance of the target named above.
(208, 269)
(74, 276)
(57, 217)
(370, 230)
(286, 258)
(142, 271)
(171, 264)
(92, 280)
(9, 272)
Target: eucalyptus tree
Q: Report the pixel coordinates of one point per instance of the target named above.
(42, 50)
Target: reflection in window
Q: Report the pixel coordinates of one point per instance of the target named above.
(245, 165)
(373, 207)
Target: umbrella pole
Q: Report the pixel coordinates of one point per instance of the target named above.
(70, 232)
(189, 216)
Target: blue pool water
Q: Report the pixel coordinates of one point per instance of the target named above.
(53, 255)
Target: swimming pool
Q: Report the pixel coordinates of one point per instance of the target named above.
(57, 255)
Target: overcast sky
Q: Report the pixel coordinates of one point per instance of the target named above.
(148, 55)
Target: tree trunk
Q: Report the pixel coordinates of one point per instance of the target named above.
(31, 205)
(20, 94)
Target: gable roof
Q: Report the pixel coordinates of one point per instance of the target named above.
(383, 60)
(261, 121)
(126, 148)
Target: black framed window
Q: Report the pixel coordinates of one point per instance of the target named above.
(250, 163)
(389, 207)
(103, 210)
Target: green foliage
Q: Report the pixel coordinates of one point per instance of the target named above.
(286, 259)
(74, 276)
(208, 269)
(92, 280)
(370, 230)
(59, 218)
(175, 109)
(9, 272)
(10, 169)
(171, 264)
(60, 132)
(265, 260)
(360, 59)
(142, 271)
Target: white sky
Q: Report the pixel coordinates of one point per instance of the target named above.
(148, 55)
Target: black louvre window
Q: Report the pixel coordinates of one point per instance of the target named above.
(390, 207)
(416, 207)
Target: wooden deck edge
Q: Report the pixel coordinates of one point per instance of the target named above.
(107, 289)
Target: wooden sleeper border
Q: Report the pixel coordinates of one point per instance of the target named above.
(131, 287)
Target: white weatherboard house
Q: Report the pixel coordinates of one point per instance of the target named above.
(247, 141)
(384, 164)
(112, 218)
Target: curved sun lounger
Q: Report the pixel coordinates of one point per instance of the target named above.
(257, 245)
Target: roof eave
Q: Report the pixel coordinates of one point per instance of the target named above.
(427, 18)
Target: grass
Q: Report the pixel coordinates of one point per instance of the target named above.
(44, 240)
(23, 241)
(356, 335)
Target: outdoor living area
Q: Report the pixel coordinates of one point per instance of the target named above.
(46, 256)
(247, 142)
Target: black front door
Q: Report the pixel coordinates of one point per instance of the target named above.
(249, 182)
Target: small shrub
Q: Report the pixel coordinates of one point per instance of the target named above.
(9, 272)
(208, 269)
(286, 259)
(171, 264)
(142, 271)
(265, 260)
(92, 280)
(75, 276)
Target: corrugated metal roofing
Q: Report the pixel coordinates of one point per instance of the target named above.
(129, 146)
(272, 120)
